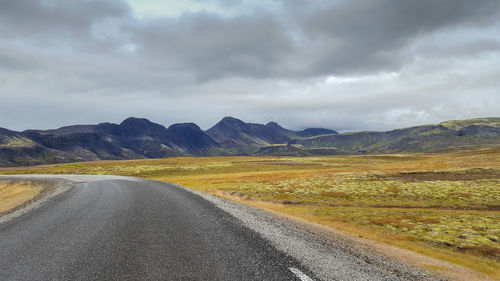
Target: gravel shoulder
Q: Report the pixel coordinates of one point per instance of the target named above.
(52, 188)
(339, 253)
(328, 256)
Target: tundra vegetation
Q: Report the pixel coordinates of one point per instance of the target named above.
(445, 205)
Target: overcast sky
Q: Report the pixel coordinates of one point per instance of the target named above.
(345, 65)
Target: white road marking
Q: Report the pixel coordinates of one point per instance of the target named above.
(300, 274)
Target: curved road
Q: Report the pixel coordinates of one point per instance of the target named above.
(136, 230)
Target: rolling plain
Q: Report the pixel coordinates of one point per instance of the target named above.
(445, 206)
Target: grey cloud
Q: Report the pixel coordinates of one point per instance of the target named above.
(370, 35)
(61, 25)
(468, 49)
(341, 37)
(213, 47)
(383, 22)
(15, 60)
(92, 60)
(28, 17)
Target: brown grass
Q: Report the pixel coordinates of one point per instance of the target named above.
(485, 251)
(14, 194)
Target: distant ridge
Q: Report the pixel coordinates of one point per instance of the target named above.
(136, 138)
(311, 132)
(240, 137)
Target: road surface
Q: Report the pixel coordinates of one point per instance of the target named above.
(135, 230)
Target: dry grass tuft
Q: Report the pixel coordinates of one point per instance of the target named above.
(485, 251)
(14, 194)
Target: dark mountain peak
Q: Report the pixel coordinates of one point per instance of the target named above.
(4, 131)
(232, 132)
(66, 130)
(311, 132)
(184, 126)
(108, 128)
(132, 127)
(228, 126)
(141, 126)
(274, 125)
(191, 138)
(228, 120)
(135, 122)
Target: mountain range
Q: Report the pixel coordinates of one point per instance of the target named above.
(136, 138)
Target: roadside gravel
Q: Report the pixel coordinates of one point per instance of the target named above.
(328, 258)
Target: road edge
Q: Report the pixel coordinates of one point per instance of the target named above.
(53, 188)
(399, 260)
(298, 235)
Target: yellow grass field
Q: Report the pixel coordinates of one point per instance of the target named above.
(13, 194)
(445, 206)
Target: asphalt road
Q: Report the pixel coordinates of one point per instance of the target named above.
(136, 230)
